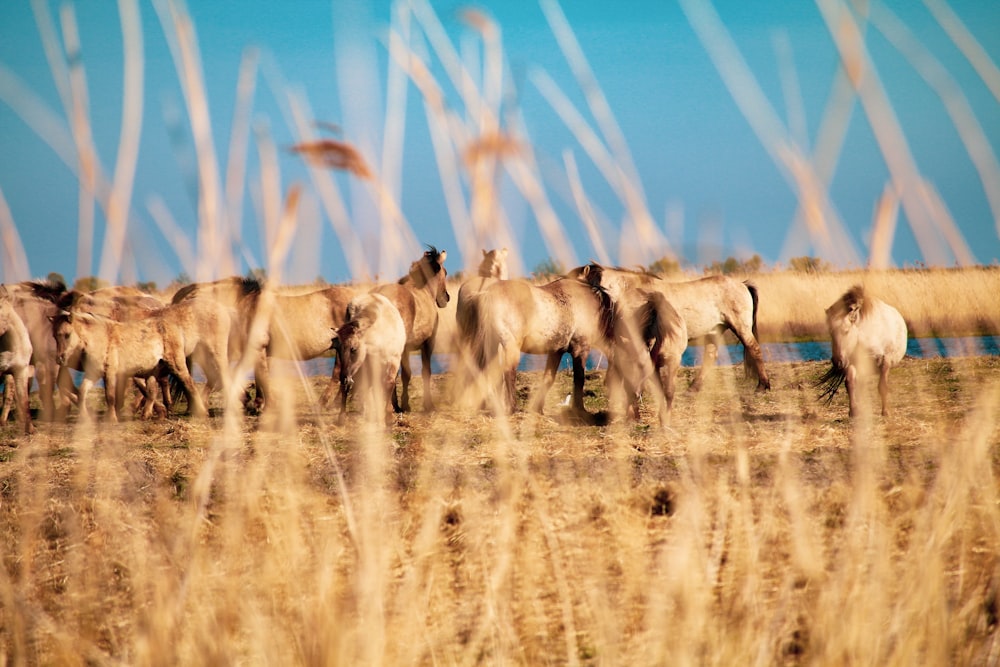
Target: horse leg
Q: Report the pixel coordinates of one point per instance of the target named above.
(85, 384)
(709, 355)
(851, 380)
(8, 398)
(883, 387)
(262, 381)
(579, 376)
(67, 392)
(334, 384)
(753, 358)
(21, 381)
(45, 378)
(548, 378)
(668, 385)
(195, 402)
(405, 373)
(389, 387)
(111, 395)
(425, 373)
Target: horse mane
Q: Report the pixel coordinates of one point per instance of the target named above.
(46, 290)
(608, 311)
(853, 298)
(67, 300)
(250, 285)
(183, 293)
(433, 256)
(348, 329)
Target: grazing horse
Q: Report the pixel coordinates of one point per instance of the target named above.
(708, 305)
(148, 347)
(370, 347)
(418, 296)
(515, 316)
(300, 328)
(650, 338)
(15, 361)
(863, 330)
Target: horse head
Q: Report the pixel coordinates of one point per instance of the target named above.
(429, 272)
(494, 264)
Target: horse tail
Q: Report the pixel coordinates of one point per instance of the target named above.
(755, 299)
(830, 382)
(748, 368)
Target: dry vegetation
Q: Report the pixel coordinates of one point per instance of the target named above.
(934, 302)
(762, 526)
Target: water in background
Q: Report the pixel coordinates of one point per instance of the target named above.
(922, 348)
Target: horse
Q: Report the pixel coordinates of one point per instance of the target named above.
(512, 317)
(35, 304)
(119, 303)
(863, 330)
(147, 347)
(300, 328)
(370, 347)
(15, 361)
(709, 306)
(236, 295)
(418, 296)
(650, 338)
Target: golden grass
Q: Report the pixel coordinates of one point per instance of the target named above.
(762, 526)
(934, 302)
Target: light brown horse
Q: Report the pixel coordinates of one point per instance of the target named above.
(15, 361)
(370, 348)
(147, 347)
(237, 296)
(122, 304)
(708, 305)
(650, 338)
(512, 317)
(301, 327)
(418, 296)
(35, 303)
(864, 331)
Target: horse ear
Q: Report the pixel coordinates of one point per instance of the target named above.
(485, 253)
(441, 256)
(585, 272)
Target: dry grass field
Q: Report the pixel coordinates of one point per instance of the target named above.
(761, 528)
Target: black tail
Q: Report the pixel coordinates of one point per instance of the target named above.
(748, 368)
(830, 382)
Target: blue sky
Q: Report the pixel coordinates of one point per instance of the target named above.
(710, 185)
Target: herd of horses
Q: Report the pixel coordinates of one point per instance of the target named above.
(640, 322)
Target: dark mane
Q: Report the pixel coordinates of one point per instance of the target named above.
(853, 298)
(188, 290)
(67, 300)
(46, 290)
(608, 311)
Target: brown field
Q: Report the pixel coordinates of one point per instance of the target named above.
(761, 527)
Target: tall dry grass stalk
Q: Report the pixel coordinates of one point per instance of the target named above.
(758, 529)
